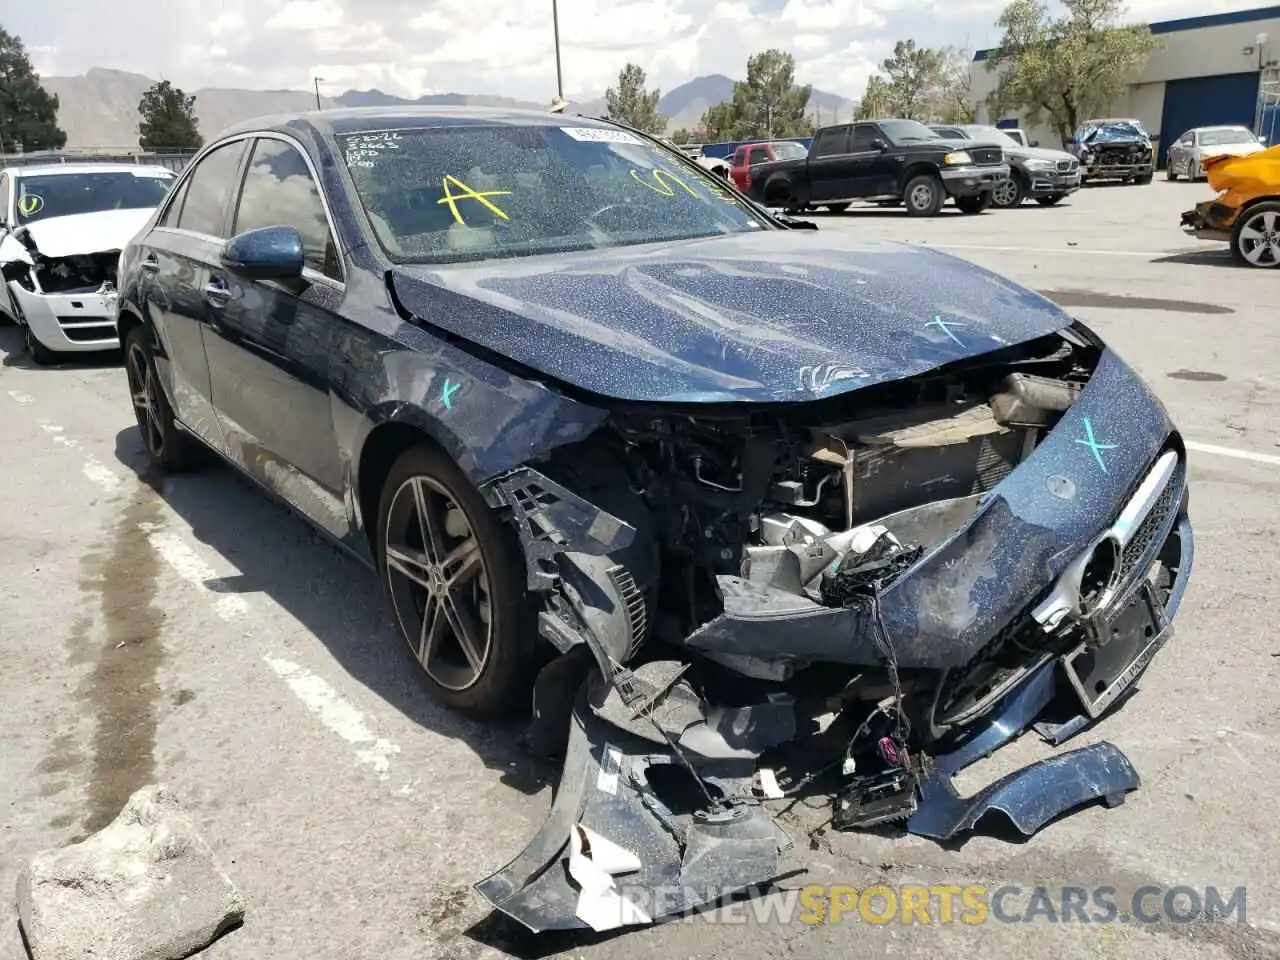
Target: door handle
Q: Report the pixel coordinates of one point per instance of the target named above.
(150, 263)
(217, 295)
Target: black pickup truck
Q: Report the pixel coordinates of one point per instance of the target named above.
(901, 160)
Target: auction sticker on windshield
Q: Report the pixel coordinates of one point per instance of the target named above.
(596, 135)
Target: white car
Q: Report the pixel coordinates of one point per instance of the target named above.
(1187, 153)
(62, 227)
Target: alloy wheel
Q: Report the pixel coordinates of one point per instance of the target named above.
(1005, 193)
(921, 196)
(142, 392)
(439, 583)
(1259, 239)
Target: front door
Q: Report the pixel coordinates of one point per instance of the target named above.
(830, 173)
(271, 344)
(874, 171)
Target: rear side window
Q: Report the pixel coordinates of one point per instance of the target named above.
(831, 142)
(759, 155)
(174, 210)
(280, 191)
(740, 157)
(211, 190)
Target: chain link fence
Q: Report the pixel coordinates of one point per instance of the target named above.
(173, 160)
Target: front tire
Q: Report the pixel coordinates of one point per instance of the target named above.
(1049, 201)
(1255, 238)
(1144, 179)
(40, 354)
(168, 447)
(924, 196)
(837, 207)
(972, 205)
(456, 582)
(1009, 193)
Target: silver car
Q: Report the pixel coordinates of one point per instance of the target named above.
(1186, 154)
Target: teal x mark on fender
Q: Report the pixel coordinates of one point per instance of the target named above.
(945, 326)
(1094, 446)
(447, 392)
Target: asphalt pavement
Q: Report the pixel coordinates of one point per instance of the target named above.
(189, 631)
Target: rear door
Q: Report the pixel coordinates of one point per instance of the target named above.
(177, 255)
(757, 154)
(831, 174)
(270, 343)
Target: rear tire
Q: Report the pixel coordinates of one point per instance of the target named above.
(924, 195)
(169, 448)
(456, 581)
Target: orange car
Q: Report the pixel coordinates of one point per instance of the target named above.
(1246, 211)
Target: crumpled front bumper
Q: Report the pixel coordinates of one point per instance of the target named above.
(614, 853)
(1209, 220)
(69, 322)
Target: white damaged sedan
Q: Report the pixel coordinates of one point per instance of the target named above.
(62, 227)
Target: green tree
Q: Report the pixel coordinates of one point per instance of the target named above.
(920, 83)
(28, 112)
(682, 136)
(1065, 70)
(768, 104)
(632, 104)
(168, 119)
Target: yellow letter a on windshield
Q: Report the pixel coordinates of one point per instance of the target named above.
(467, 193)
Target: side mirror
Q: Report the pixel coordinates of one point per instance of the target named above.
(1035, 143)
(878, 144)
(267, 253)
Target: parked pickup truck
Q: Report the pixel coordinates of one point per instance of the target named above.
(901, 160)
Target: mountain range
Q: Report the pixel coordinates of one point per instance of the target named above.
(99, 108)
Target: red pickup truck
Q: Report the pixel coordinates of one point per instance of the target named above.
(753, 154)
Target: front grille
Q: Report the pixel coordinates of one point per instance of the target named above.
(1067, 166)
(987, 155)
(1122, 154)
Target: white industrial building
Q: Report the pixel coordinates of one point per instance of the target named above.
(1215, 69)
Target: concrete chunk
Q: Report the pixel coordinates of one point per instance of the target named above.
(145, 887)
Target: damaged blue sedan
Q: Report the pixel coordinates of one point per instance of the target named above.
(746, 511)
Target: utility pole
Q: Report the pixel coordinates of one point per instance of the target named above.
(317, 85)
(555, 26)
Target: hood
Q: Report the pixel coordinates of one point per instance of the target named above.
(83, 233)
(1038, 153)
(1255, 174)
(1232, 149)
(779, 315)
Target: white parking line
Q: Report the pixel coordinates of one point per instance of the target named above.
(1232, 452)
(337, 715)
(1147, 254)
(334, 711)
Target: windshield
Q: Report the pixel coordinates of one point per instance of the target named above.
(1120, 130)
(451, 194)
(788, 150)
(991, 135)
(907, 131)
(41, 197)
(1217, 138)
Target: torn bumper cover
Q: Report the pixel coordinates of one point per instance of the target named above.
(1040, 609)
(61, 275)
(1209, 220)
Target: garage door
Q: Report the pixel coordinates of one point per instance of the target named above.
(1205, 101)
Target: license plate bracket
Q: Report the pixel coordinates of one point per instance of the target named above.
(1123, 643)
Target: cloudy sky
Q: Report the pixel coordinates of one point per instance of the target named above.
(497, 46)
